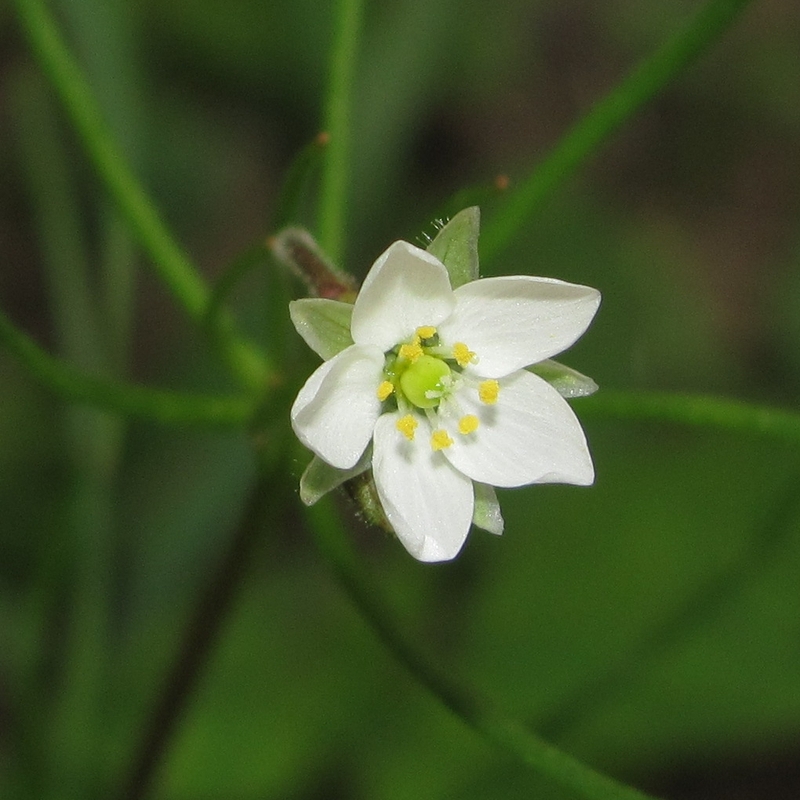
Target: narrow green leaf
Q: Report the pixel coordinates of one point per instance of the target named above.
(697, 410)
(619, 105)
(169, 260)
(173, 408)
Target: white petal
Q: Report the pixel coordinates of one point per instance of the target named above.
(405, 289)
(427, 501)
(335, 411)
(511, 322)
(530, 435)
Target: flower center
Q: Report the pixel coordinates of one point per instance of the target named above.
(420, 374)
(425, 380)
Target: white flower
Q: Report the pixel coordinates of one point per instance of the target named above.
(434, 380)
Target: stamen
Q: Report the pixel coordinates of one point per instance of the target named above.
(411, 351)
(463, 355)
(468, 424)
(440, 440)
(426, 332)
(384, 390)
(407, 425)
(488, 391)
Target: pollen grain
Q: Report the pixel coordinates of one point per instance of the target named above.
(440, 439)
(468, 424)
(411, 351)
(463, 355)
(384, 390)
(407, 425)
(488, 392)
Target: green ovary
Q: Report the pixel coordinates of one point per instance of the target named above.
(424, 376)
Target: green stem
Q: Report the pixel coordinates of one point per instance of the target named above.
(333, 199)
(158, 405)
(688, 409)
(621, 103)
(505, 732)
(170, 262)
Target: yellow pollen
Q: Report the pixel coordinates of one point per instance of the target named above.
(488, 391)
(426, 332)
(384, 390)
(407, 425)
(468, 424)
(440, 440)
(462, 354)
(411, 351)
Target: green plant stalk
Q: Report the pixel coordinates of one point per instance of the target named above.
(333, 195)
(91, 439)
(156, 405)
(695, 410)
(504, 732)
(169, 261)
(621, 103)
(104, 39)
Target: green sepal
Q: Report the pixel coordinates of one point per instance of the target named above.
(320, 477)
(486, 514)
(456, 246)
(364, 493)
(569, 383)
(324, 324)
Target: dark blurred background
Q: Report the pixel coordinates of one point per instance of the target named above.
(650, 625)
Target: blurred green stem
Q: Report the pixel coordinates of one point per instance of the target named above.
(158, 405)
(333, 199)
(504, 732)
(170, 262)
(621, 103)
(91, 441)
(696, 410)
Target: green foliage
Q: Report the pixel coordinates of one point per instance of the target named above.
(645, 626)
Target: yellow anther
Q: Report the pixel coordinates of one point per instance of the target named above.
(440, 440)
(407, 425)
(384, 390)
(426, 332)
(462, 354)
(488, 391)
(468, 424)
(411, 351)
